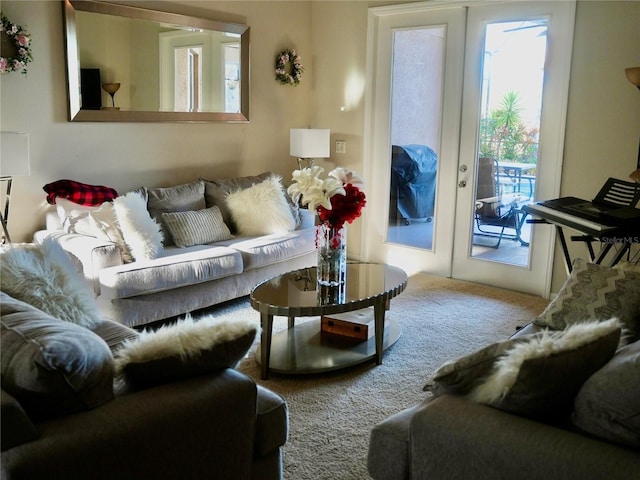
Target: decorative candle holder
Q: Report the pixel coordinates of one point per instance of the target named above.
(111, 89)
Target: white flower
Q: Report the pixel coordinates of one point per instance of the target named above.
(345, 176)
(309, 189)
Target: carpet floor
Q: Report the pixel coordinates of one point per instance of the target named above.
(332, 414)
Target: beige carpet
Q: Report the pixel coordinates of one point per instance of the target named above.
(331, 414)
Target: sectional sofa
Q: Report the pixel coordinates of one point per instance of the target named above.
(193, 274)
(572, 409)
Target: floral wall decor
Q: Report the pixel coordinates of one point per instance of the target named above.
(289, 68)
(15, 52)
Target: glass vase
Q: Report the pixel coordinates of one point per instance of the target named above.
(331, 295)
(332, 255)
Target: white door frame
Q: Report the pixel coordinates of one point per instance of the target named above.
(377, 152)
(377, 147)
(536, 277)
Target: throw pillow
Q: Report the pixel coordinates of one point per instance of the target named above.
(541, 377)
(196, 228)
(141, 232)
(44, 276)
(608, 404)
(184, 349)
(78, 192)
(180, 198)
(216, 191)
(261, 209)
(70, 213)
(596, 292)
(459, 376)
(100, 222)
(114, 333)
(52, 367)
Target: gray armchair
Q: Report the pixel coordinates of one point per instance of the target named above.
(218, 426)
(63, 418)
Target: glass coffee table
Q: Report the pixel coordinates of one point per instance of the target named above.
(303, 348)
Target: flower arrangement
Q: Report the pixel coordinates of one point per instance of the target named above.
(282, 75)
(18, 62)
(336, 199)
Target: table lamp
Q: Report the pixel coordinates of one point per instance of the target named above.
(307, 144)
(14, 161)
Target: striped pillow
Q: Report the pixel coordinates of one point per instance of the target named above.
(196, 227)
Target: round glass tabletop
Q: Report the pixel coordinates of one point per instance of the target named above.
(297, 293)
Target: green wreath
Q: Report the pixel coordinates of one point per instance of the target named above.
(16, 53)
(289, 75)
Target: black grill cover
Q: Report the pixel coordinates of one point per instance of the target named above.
(413, 181)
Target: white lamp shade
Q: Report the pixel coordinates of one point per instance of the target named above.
(14, 154)
(310, 143)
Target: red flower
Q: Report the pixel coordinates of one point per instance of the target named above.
(344, 208)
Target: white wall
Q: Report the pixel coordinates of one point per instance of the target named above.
(417, 87)
(127, 155)
(603, 122)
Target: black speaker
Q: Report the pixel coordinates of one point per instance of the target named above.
(90, 89)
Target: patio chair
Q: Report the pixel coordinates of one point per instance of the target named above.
(497, 215)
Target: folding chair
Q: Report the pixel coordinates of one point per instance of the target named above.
(494, 209)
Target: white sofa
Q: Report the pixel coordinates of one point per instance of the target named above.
(182, 280)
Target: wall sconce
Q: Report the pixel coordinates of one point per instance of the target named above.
(14, 161)
(307, 144)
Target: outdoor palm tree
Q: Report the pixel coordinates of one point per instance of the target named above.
(504, 136)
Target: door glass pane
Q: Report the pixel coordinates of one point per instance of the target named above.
(512, 81)
(187, 81)
(232, 77)
(416, 112)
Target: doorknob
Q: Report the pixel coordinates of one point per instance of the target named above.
(462, 183)
(463, 168)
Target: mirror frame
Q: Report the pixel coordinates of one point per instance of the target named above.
(76, 114)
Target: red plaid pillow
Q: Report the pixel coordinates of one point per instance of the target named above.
(79, 193)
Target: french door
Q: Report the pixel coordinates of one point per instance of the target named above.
(444, 94)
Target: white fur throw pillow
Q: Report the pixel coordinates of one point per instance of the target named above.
(261, 209)
(45, 277)
(186, 348)
(541, 376)
(141, 232)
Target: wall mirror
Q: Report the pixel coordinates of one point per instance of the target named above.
(129, 64)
